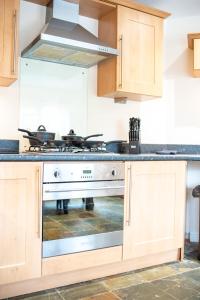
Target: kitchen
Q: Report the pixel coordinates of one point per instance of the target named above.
(27, 104)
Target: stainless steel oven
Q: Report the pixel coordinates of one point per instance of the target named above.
(83, 206)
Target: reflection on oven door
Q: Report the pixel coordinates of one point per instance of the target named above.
(82, 224)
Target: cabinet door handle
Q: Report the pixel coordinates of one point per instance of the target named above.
(128, 222)
(121, 61)
(38, 200)
(13, 70)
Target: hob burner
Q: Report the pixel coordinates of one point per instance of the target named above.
(44, 149)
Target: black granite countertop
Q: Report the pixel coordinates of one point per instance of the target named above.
(185, 152)
(97, 157)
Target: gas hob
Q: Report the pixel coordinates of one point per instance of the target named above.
(44, 150)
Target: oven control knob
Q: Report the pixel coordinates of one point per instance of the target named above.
(114, 173)
(56, 174)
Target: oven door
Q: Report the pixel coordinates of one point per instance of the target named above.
(82, 216)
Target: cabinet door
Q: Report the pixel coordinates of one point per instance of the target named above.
(154, 207)
(2, 8)
(9, 41)
(20, 219)
(140, 43)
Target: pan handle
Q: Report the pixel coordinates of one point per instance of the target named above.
(115, 142)
(93, 135)
(33, 138)
(26, 131)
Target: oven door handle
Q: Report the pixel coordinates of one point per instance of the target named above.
(88, 189)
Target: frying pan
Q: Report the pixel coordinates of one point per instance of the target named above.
(37, 142)
(76, 140)
(110, 145)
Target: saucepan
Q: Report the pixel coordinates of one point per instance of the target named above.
(41, 134)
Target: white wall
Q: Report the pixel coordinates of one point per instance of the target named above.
(105, 116)
(9, 111)
(175, 117)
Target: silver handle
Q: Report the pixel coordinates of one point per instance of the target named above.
(129, 196)
(121, 61)
(38, 180)
(14, 41)
(81, 189)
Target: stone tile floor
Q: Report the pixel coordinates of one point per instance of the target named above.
(178, 280)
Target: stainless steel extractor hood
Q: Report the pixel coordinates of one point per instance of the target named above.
(64, 41)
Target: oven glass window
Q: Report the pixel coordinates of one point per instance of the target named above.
(81, 221)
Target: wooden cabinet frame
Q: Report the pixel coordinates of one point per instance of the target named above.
(9, 30)
(194, 44)
(20, 221)
(136, 73)
(88, 7)
(154, 207)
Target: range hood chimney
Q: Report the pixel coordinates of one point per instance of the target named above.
(64, 41)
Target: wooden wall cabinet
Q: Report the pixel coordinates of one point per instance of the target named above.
(194, 44)
(9, 15)
(154, 207)
(20, 221)
(136, 73)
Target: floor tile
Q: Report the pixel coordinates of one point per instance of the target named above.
(44, 295)
(82, 291)
(185, 265)
(194, 276)
(196, 297)
(157, 273)
(105, 296)
(122, 281)
(178, 287)
(145, 291)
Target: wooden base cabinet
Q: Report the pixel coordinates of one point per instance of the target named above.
(20, 221)
(9, 17)
(154, 207)
(137, 72)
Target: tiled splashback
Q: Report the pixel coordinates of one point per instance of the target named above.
(64, 97)
(53, 95)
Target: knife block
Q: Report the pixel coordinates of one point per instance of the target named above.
(134, 147)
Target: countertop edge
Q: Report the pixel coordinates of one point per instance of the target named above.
(99, 157)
